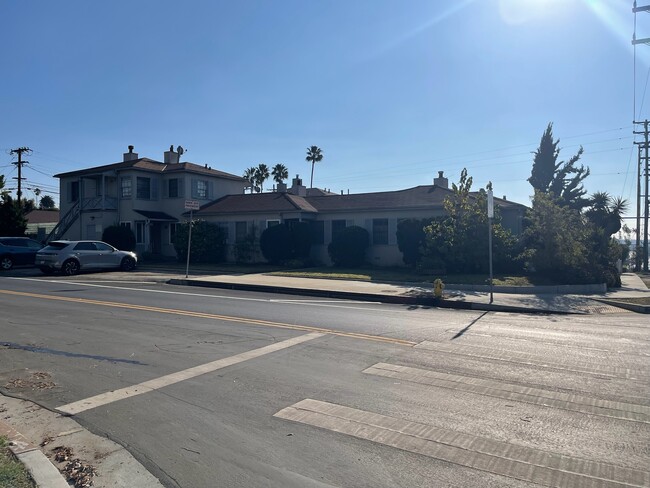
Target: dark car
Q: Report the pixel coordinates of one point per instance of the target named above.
(17, 250)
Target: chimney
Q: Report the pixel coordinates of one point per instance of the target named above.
(504, 197)
(130, 156)
(297, 188)
(282, 187)
(171, 157)
(441, 181)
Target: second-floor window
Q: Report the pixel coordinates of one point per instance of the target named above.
(143, 188)
(172, 188)
(126, 188)
(74, 191)
(200, 189)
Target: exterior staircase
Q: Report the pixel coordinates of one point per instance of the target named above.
(64, 224)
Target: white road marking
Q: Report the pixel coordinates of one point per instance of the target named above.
(324, 303)
(170, 379)
(502, 458)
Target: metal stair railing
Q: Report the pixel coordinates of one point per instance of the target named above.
(65, 223)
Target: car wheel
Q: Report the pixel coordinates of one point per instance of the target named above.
(70, 267)
(45, 270)
(6, 263)
(128, 264)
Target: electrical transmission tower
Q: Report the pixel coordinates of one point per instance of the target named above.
(20, 163)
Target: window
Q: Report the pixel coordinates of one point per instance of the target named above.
(74, 191)
(143, 188)
(85, 246)
(172, 188)
(337, 226)
(172, 232)
(241, 229)
(380, 231)
(126, 187)
(139, 232)
(102, 246)
(271, 223)
(317, 232)
(201, 189)
(126, 224)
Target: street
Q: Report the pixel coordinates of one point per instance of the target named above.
(211, 387)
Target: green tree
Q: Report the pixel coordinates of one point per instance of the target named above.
(279, 173)
(314, 155)
(208, 242)
(249, 174)
(12, 217)
(563, 179)
(261, 175)
(458, 241)
(47, 203)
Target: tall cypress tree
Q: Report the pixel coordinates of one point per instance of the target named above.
(562, 180)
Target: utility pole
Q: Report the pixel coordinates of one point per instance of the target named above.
(642, 208)
(20, 163)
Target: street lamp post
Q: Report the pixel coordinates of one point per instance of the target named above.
(490, 212)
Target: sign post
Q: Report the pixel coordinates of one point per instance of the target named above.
(190, 205)
(490, 214)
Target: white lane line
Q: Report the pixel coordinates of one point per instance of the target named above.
(328, 303)
(502, 458)
(170, 379)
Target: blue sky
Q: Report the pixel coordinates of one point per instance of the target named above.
(391, 91)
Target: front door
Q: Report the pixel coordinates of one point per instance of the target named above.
(155, 238)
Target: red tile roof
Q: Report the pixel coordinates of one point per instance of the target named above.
(42, 216)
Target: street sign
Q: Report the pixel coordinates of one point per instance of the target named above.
(192, 204)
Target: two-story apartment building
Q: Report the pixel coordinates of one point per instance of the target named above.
(145, 195)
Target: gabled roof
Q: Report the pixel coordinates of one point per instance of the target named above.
(419, 197)
(257, 202)
(147, 164)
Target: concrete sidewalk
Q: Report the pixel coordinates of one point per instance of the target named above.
(408, 294)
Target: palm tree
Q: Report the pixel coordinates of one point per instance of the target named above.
(314, 155)
(261, 175)
(249, 174)
(280, 173)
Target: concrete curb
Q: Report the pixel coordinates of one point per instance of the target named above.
(40, 468)
(633, 307)
(423, 300)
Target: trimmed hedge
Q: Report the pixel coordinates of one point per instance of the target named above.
(348, 247)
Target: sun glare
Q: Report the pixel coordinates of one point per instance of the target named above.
(522, 11)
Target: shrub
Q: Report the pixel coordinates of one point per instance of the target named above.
(286, 242)
(348, 248)
(410, 237)
(208, 242)
(120, 237)
(246, 249)
(276, 244)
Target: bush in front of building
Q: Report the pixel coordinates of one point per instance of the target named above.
(348, 247)
(120, 237)
(286, 242)
(208, 242)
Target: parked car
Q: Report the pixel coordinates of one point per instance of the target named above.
(17, 250)
(70, 257)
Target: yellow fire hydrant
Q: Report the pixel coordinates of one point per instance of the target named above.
(438, 286)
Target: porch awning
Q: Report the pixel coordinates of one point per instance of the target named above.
(156, 216)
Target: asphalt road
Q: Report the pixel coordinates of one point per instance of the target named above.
(221, 388)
